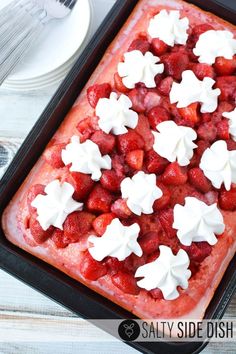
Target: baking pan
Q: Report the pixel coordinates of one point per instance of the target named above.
(40, 275)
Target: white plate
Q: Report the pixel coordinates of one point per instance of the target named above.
(57, 44)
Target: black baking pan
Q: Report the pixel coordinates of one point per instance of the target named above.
(43, 277)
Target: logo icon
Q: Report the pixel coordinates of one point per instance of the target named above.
(129, 330)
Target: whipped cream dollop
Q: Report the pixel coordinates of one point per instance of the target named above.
(191, 90)
(115, 114)
(85, 158)
(232, 122)
(54, 207)
(138, 67)
(174, 142)
(169, 27)
(141, 192)
(118, 241)
(212, 44)
(219, 165)
(196, 221)
(166, 273)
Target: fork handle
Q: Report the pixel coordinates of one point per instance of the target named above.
(18, 53)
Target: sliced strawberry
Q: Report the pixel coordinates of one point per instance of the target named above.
(32, 194)
(223, 130)
(190, 113)
(202, 146)
(198, 251)
(157, 115)
(105, 142)
(227, 86)
(119, 166)
(225, 66)
(227, 199)
(211, 197)
(137, 96)
(132, 262)
(156, 294)
(39, 235)
(114, 265)
(143, 129)
(99, 200)
(110, 181)
(166, 218)
(154, 162)
(165, 85)
(118, 83)
(149, 242)
(120, 209)
(140, 44)
(125, 282)
(95, 92)
(164, 201)
(92, 269)
(207, 131)
(175, 64)
(86, 127)
(135, 159)
(76, 225)
(174, 174)
(58, 239)
(203, 70)
(223, 106)
(53, 155)
(101, 222)
(129, 141)
(231, 145)
(197, 31)
(198, 180)
(158, 47)
(82, 184)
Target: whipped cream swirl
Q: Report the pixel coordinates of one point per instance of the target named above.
(191, 90)
(138, 67)
(196, 221)
(85, 157)
(219, 165)
(232, 122)
(166, 273)
(174, 142)
(141, 192)
(54, 207)
(118, 241)
(115, 114)
(168, 27)
(212, 44)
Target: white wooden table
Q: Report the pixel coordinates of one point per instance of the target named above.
(19, 303)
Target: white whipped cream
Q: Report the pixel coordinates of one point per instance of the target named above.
(232, 122)
(197, 221)
(118, 241)
(54, 207)
(169, 27)
(219, 165)
(212, 44)
(141, 192)
(174, 142)
(139, 67)
(85, 157)
(191, 90)
(166, 273)
(115, 114)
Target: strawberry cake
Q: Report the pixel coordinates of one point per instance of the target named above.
(135, 195)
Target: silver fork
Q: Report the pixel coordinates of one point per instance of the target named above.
(21, 24)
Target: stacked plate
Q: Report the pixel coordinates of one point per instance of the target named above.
(55, 51)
